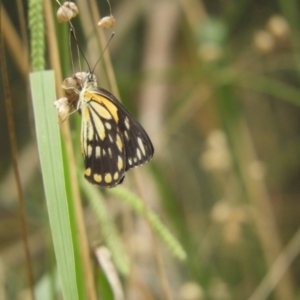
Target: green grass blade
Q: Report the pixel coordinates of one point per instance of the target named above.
(49, 145)
(108, 227)
(161, 230)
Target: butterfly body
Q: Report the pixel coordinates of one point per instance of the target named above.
(112, 141)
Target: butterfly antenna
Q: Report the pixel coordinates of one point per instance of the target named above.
(112, 35)
(72, 30)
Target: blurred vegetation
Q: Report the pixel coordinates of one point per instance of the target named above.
(216, 85)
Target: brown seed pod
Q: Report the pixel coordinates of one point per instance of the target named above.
(63, 108)
(72, 87)
(67, 11)
(107, 22)
(74, 82)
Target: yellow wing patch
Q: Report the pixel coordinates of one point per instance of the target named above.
(97, 178)
(108, 178)
(88, 172)
(119, 143)
(108, 104)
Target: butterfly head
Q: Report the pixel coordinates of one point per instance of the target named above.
(90, 80)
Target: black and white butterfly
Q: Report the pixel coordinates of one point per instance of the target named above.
(112, 141)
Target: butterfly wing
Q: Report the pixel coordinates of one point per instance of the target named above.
(112, 140)
(138, 146)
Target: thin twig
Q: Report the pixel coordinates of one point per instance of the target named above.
(157, 254)
(278, 269)
(14, 152)
(13, 42)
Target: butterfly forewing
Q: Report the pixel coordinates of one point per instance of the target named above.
(112, 140)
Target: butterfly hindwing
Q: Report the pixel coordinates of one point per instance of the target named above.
(112, 140)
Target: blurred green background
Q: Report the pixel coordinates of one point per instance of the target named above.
(216, 84)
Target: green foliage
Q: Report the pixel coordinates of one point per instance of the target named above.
(107, 227)
(216, 86)
(37, 31)
(48, 137)
(137, 205)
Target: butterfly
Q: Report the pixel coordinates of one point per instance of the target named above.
(112, 141)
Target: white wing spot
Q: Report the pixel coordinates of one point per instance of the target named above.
(135, 159)
(108, 125)
(116, 175)
(127, 124)
(90, 130)
(98, 153)
(103, 152)
(130, 161)
(109, 152)
(110, 138)
(141, 145)
(120, 163)
(139, 154)
(126, 135)
(89, 150)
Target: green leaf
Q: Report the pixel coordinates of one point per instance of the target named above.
(108, 228)
(161, 230)
(49, 145)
